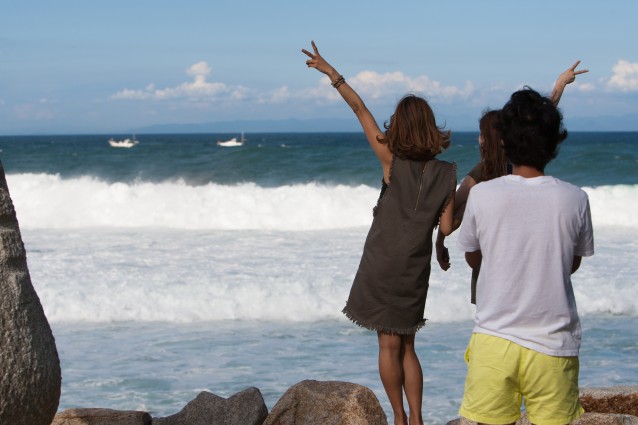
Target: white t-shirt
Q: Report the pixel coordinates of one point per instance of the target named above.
(528, 230)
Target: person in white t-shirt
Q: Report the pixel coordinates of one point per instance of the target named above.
(528, 232)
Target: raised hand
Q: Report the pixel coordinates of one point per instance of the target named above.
(565, 78)
(317, 61)
(570, 74)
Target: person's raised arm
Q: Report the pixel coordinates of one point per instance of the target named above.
(565, 78)
(367, 121)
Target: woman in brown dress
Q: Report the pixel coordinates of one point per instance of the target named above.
(389, 290)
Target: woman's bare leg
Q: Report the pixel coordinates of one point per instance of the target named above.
(413, 379)
(391, 371)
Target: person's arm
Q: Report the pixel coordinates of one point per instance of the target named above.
(460, 199)
(442, 253)
(474, 259)
(446, 222)
(565, 78)
(367, 121)
(576, 263)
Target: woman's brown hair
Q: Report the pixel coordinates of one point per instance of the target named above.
(493, 156)
(412, 132)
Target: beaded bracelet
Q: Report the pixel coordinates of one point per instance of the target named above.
(339, 81)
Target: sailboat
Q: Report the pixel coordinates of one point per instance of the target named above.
(232, 142)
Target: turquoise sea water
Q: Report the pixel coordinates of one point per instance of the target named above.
(279, 159)
(178, 266)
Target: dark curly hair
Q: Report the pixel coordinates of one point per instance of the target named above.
(531, 128)
(412, 132)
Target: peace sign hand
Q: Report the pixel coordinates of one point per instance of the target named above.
(569, 75)
(317, 61)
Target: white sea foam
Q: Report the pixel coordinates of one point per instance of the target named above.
(108, 252)
(614, 205)
(45, 201)
(183, 276)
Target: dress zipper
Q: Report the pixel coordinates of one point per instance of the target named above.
(418, 196)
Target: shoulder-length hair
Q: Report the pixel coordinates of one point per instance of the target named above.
(412, 132)
(493, 158)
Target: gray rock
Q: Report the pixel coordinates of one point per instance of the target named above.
(102, 417)
(244, 408)
(30, 376)
(327, 403)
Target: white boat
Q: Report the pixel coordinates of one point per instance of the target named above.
(232, 142)
(126, 143)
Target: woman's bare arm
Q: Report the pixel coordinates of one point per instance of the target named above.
(565, 78)
(367, 121)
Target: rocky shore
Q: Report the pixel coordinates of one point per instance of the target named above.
(328, 403)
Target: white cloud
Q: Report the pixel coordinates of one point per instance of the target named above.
(279, 95)
(586, 87)
(132, 94)
(373, 85)
(625, 76)
(200, 68)
(239, 93)
(370, 84)
(197, 90)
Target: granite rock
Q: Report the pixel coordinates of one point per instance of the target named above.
(327, 403)
(621, 399)
(244, 408)
(102, 417)
(31, 378)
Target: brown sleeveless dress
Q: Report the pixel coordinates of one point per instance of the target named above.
(391, 285)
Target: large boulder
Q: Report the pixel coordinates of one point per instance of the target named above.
(97, 416)
(30, 376)
(327, 403)
(244, 408)
(621, 399)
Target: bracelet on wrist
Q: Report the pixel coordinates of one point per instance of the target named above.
(339, 81)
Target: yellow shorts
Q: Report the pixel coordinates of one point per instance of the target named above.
(501, 373)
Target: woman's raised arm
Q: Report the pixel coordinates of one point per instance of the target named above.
(565, 78)
(367, 121)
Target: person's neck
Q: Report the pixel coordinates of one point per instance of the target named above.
(526, 171)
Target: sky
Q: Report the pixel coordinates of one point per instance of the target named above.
(77, 66)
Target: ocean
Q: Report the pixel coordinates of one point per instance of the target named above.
(178, 266)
